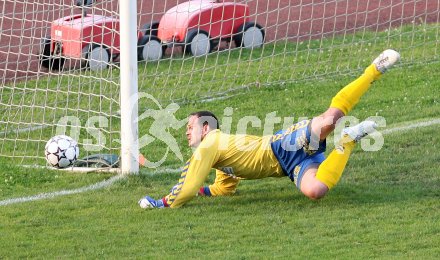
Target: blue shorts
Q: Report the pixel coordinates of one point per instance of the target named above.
(295, 150)
(299, 170)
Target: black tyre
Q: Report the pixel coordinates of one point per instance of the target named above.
(150, 48)
(198, 43)
(150, 29)
(249, 35)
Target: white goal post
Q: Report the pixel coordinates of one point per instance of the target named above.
(129, 88)
(87, 68)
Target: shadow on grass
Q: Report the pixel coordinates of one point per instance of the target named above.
(273, 196)
(275, 193)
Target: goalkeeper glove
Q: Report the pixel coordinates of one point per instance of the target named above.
(148, 202)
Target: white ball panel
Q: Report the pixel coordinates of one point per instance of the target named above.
(70, 153)
(52, 159)
(53, 147)
(63, 163)
(63, 144)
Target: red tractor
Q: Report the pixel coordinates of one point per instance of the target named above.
(198, 26)
(90, 38)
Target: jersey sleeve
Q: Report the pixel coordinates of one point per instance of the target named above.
(223, 184)
(193, 175)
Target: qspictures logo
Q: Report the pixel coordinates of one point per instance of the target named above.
(161, 119)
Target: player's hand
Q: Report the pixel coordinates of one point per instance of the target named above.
(148, 202)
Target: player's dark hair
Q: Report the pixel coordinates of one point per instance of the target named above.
(208, 118)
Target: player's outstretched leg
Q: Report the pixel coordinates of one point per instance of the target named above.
(317, 180)
(345, 100)
(316, 183)
(350, 95)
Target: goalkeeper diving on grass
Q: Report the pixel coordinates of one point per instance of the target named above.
(297, 152)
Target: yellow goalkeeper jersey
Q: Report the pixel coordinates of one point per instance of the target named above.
(234, 157)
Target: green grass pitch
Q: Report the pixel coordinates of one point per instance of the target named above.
(387, 204)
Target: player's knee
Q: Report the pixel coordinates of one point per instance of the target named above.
(315, 194)
(314, 191)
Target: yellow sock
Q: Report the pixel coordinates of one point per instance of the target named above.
(349, 96)
(330, 170)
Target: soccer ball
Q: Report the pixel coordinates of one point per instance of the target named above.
(61, 151)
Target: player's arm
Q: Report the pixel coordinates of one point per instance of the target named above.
(193, 175)
(223, 185)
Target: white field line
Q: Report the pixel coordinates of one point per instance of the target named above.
(435, 121)
(106, 183)
(49, 195)
(24, 130)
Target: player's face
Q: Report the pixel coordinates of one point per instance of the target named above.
(195, 131)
